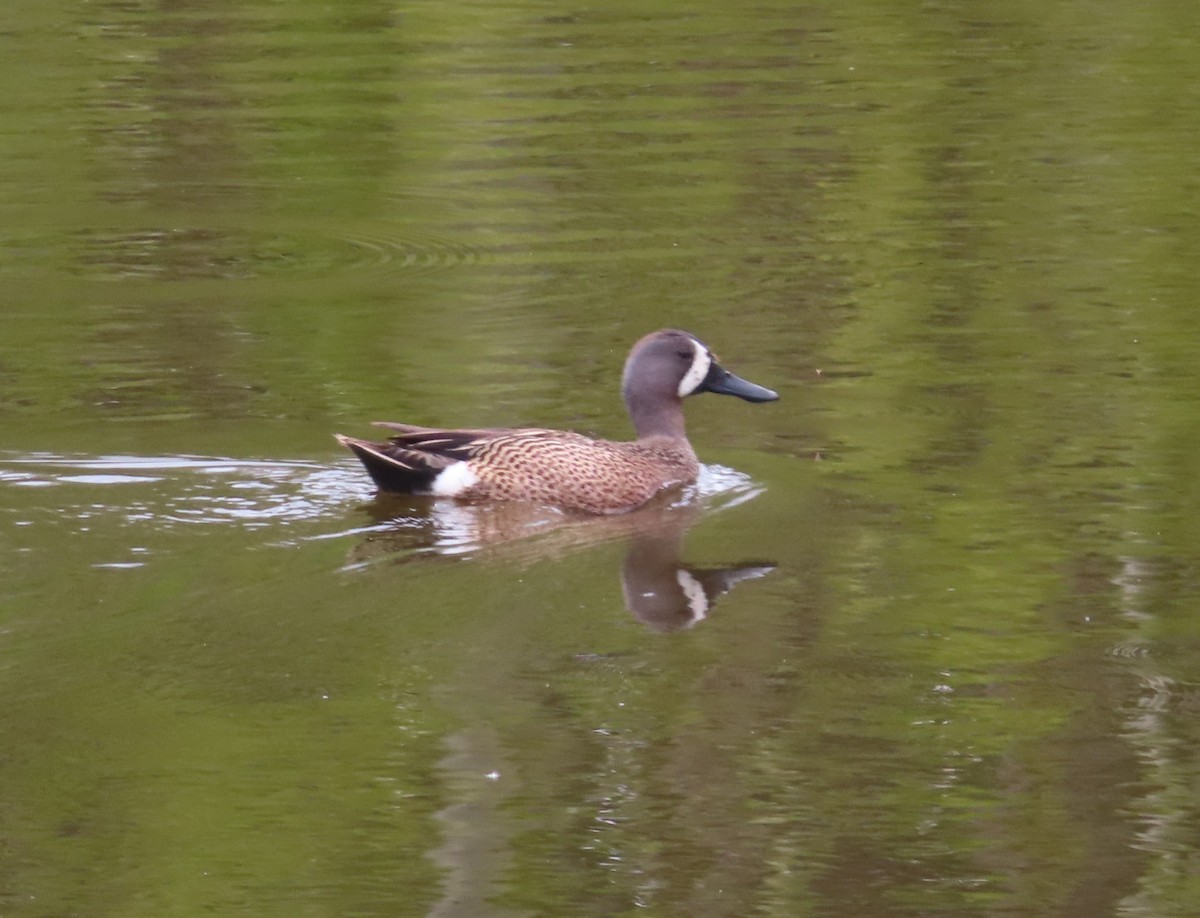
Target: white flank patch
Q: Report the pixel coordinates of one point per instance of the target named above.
(697, 371)
(454, 480)
(696, 599)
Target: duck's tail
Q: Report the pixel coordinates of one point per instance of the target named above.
(390, 468)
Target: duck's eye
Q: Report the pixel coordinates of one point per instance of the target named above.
(684, 355)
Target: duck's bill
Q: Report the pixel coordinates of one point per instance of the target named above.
(722, 382)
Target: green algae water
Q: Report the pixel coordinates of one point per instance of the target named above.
(924, 637)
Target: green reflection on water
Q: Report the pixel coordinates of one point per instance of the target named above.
(960, 241)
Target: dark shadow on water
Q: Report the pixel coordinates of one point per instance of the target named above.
(659, 588)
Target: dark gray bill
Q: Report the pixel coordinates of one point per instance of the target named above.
(722, 382)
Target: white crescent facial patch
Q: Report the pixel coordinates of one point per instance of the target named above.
(697, 371)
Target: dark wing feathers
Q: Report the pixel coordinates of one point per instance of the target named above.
(413, 458)
(451, 445)
(412, 434)
(395, 468)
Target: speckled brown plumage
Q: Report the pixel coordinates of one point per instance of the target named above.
(560, 467)
(597, 476)
(545, 466)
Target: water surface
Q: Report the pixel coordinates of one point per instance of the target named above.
(921, 640)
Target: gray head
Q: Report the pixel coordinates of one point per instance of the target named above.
(667, 366)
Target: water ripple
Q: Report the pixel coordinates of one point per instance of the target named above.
(169, 490)
(201, 490)
(190, 253)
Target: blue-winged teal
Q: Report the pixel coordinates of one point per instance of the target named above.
(563, 468)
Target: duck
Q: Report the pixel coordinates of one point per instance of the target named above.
(562, 468)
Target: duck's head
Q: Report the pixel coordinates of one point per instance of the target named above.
(669, 365)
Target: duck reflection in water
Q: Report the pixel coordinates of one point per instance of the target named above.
(659, 589)
(666, 594)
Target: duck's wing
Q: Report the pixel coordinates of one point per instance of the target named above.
(410, 460)
(452, 445)
(458, 442)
